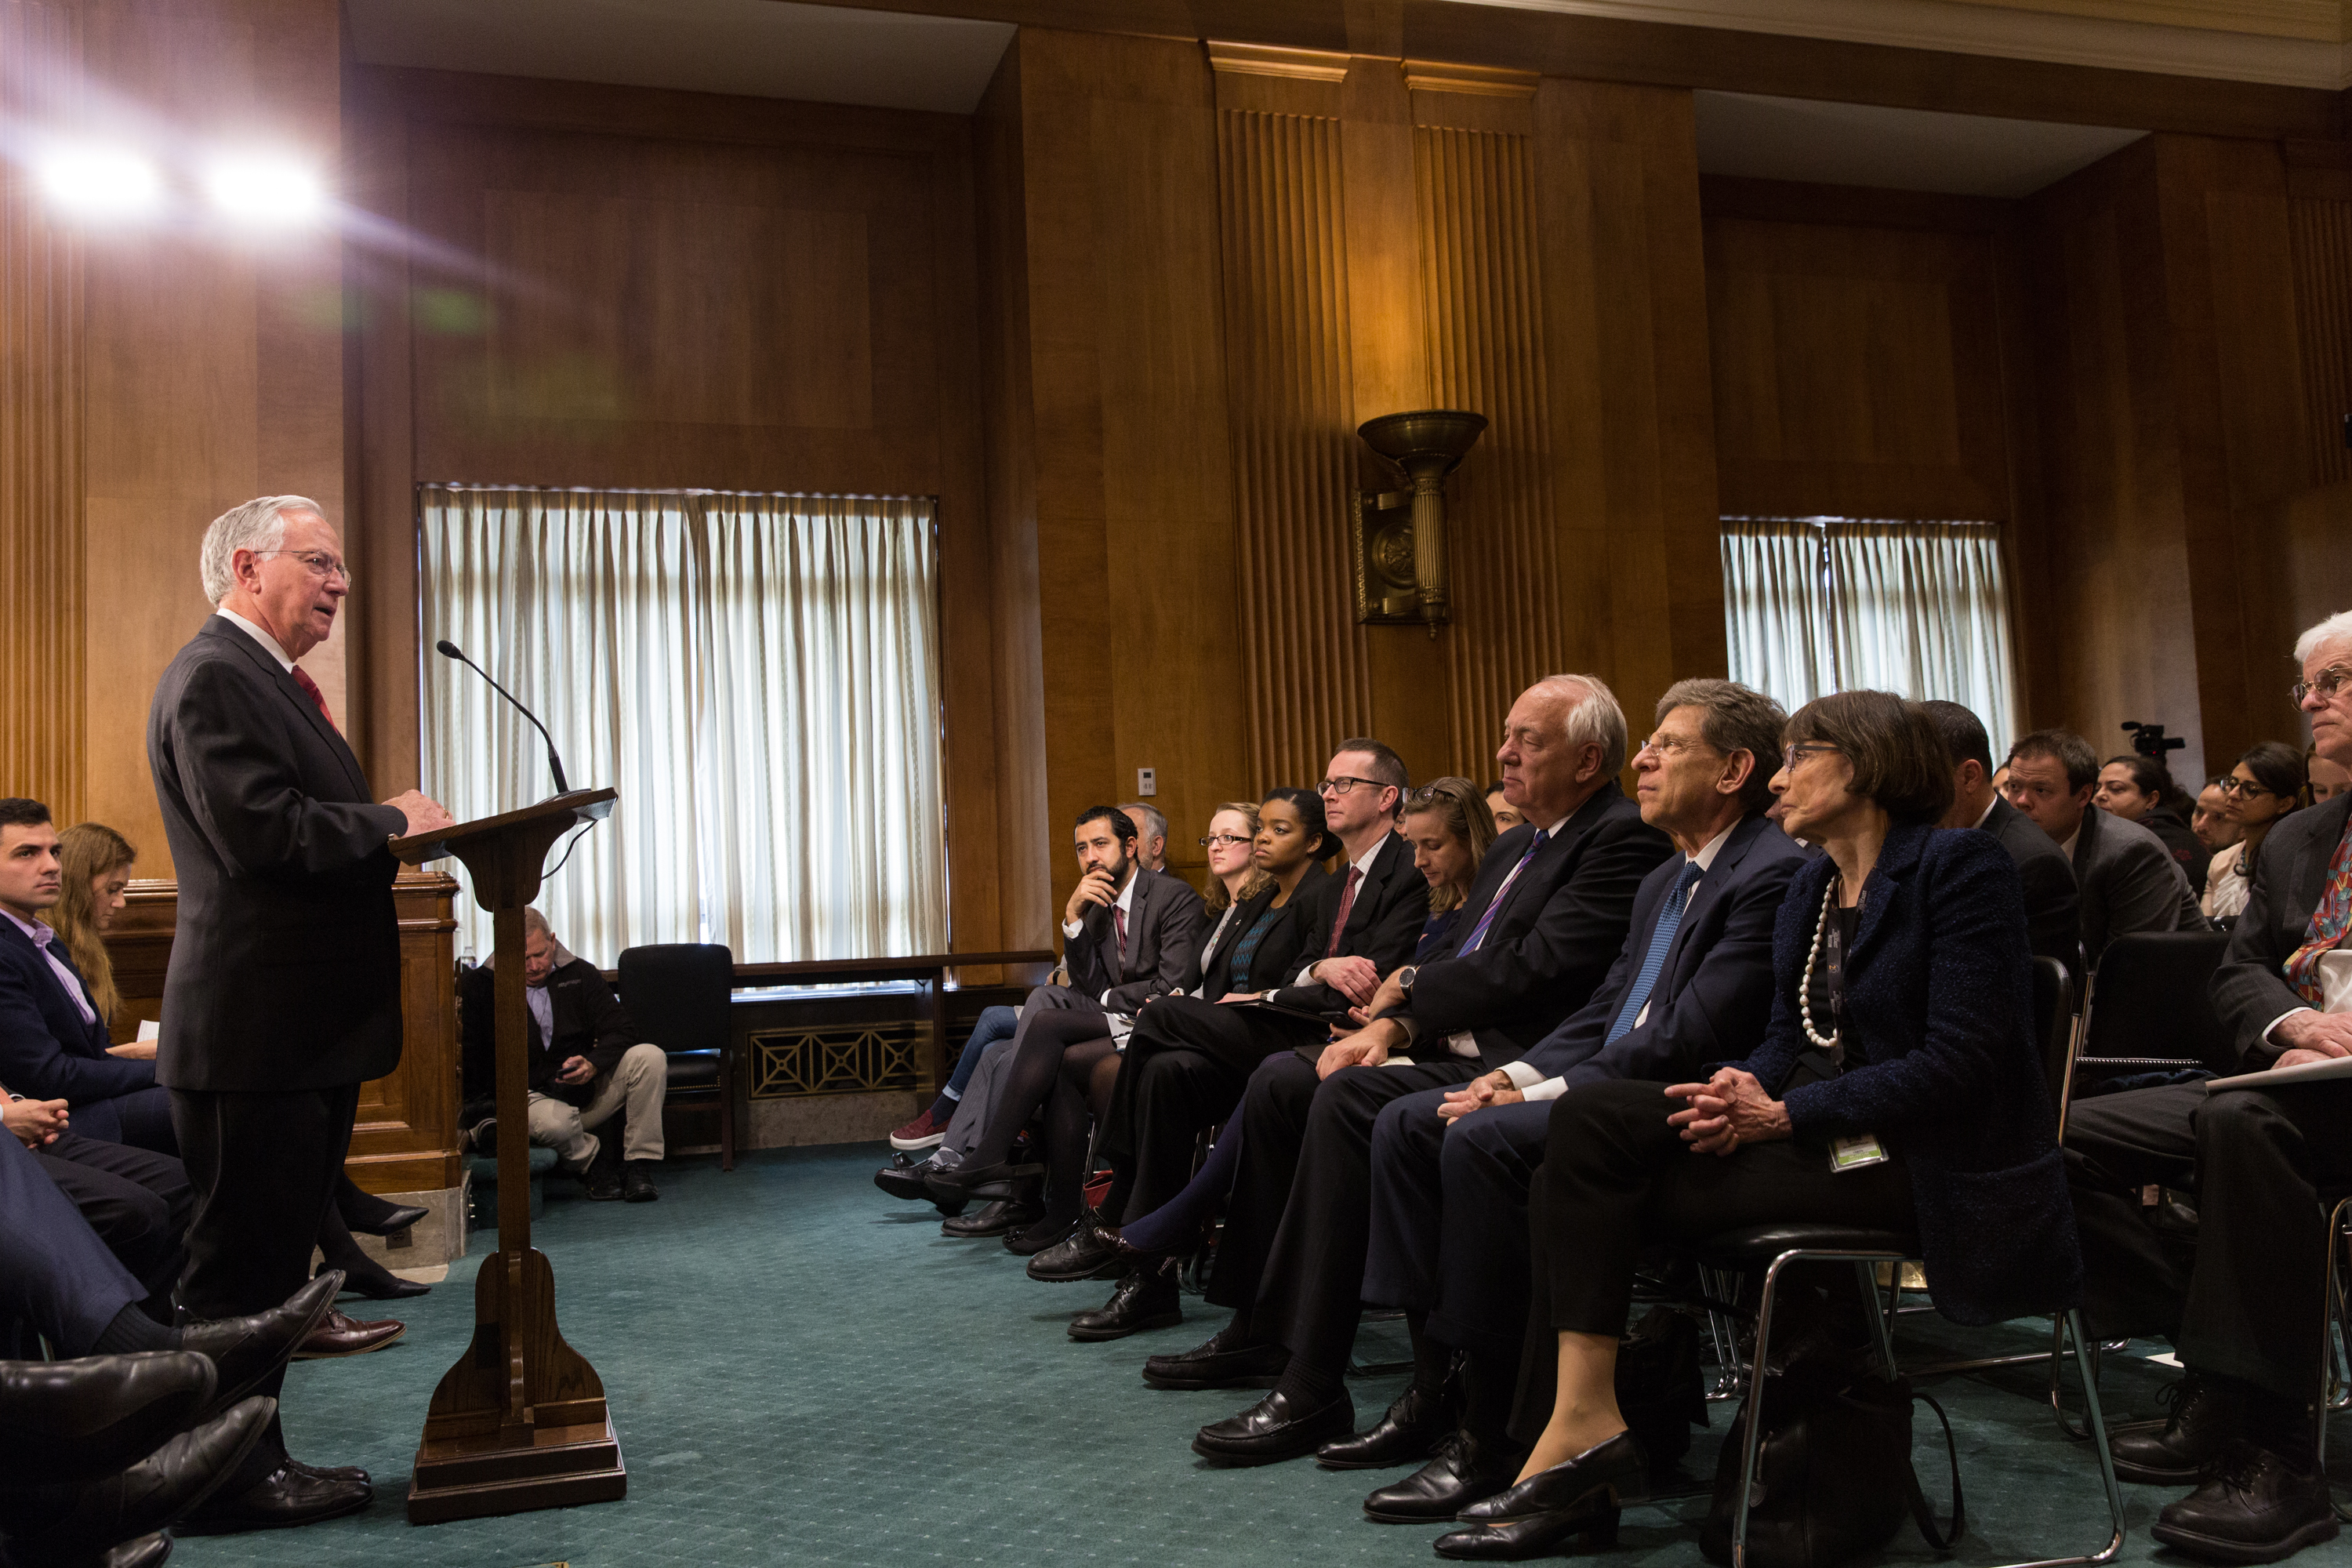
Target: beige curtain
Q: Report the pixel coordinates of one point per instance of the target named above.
(757, 675)
(1819, 604)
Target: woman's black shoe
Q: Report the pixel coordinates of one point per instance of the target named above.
(1146, 1297)
(387, 1219)
(1038, 1234)
(1407, 1434)
(363, 1276)
(962, 1180)
(1538, 1537)
(1612, 1471)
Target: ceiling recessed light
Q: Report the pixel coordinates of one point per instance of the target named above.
(265, 188)
(98, 182)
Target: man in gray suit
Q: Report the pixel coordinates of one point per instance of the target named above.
(2240, 1303)
(2053, 909)
(2129, 880)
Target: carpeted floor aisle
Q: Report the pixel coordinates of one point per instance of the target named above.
(803, 1371)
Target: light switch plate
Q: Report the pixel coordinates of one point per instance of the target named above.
(1146, 781)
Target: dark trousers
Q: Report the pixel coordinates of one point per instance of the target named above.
(1187, 1063)
(143, 1118)
(1617, 1177)
(1449, 1221)
(57, 1277)
(139, 1203)
(265, 1167)
(1053, 1019)
(2247, 1306)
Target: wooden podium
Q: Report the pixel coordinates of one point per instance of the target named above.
(519, 1423)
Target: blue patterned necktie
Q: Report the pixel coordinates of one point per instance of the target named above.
(1670, 919)
(1495, 905)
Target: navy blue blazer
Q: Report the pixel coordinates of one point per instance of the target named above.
(1714, 992)
(1939, 1005)
(46, 1052)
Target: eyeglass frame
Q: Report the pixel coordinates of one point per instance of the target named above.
(335, 567)
(2332, 680)
(2231, 787)
(1226, 840)
(1665, 746)
(1792, 757)
(1332, 789)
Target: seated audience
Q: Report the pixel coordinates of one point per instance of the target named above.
(927, 1130)
(585, 1066)
(1498, 806)
(2210, 819)
(1151, 835)
(2243, 1312)
(2324, 780)
(1914, 941)
(1129, 936)
(1692, 986)
(2127, 879)
(2053, 913)
(2265, 785)
(1446, 823)
(2139, 789)
(1549, 910)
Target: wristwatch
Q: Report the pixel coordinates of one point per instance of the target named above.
(1404, 977)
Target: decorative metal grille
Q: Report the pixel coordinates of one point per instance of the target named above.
(853, 1058)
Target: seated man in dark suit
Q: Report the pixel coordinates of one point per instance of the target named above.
(139, 1201)
(2128, 882)
(53, 1043)
(1546, 915)
(1450, 1169)
(2243, 1309)
(2053, 909)
(586, 1064)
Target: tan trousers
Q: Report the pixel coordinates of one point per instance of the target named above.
(638, 1083)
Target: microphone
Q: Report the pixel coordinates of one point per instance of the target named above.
(448, 649)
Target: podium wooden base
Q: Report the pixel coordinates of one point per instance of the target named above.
(477, 1478)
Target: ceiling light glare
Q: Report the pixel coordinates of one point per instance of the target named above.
(265, 190)
(98, 182)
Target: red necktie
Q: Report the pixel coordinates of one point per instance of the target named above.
(1347, 902)
(302, 679)
(1118, 960)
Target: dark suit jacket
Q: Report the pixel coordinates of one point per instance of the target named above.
(46, 1052)
(286, 968)
(1384, 923)
(2187, 850)
(2129, 881)
(1713, 995)
(2249, 989)
(1941, 1064)
(2054, 906)
(589, 1022)
(1280, 951)
(1164, 926)
(1559, 927)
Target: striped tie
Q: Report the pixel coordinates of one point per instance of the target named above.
(1670, 919)
(1495, 905)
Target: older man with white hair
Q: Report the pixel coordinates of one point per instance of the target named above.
(2244, 1313)
(283, 993)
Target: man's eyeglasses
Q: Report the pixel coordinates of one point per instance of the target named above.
(2331, 680)
(2237, 787)
(1332, 788)
(319, 562)
(1665, 745)
(1222, 840)
(1795, 755)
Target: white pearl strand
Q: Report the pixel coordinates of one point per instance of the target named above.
(1805, 991)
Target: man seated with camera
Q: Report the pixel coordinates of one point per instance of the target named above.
(585, 1064)
(2242, 1304)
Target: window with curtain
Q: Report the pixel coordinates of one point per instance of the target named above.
(756, 674)
(1816, 605)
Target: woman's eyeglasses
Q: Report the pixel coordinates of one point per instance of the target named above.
(1795, 755)
(1222, 840)
(2237, 787)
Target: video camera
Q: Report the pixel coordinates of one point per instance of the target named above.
(2151, 741)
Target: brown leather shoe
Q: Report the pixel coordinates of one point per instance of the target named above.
(340, 1334)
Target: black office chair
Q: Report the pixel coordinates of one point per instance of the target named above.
(2147, 1007)
(677, 995)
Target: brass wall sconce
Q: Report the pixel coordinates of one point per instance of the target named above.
(1399, 536)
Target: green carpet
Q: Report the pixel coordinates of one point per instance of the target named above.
(803, 1371)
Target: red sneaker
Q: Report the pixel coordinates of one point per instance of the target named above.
(922, 1132)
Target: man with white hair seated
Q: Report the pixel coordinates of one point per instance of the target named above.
(585, 1063)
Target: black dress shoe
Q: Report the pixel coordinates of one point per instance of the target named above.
(994, 1219)
(637, 1181)
(363, 1276)
(78, 1420)
(1612, 1471)
(1538, 1536)
(962, 1180)
(79, 1523)
(147, 1552)
(244, 1351)
(2255, 1508)
(903, 1178)
(1410, 1432)
(327, 1472)
(1040, 1234)
(395, 1217)
(1146, 1297)
(1089, 1252)
(281, 1500)
(602, 1179)
(2202, 1420)
(1224, 1363)
(1272, 1430)
(1464, 1472)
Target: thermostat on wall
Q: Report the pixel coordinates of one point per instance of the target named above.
(1146, 781)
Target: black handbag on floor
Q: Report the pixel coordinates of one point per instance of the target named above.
(1833, 1477)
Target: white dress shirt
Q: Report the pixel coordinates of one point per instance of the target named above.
(1362, 865)
(259, 636)
(1464, 1042)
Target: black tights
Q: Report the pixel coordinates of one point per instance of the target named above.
(1089, 1070)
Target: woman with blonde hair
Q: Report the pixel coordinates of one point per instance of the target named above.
(1448, 825)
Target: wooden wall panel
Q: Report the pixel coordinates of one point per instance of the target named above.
(2320, 227)
(42, 714)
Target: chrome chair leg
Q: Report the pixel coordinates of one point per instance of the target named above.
(2332, 1329)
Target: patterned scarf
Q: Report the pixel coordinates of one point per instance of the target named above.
(2328, 924)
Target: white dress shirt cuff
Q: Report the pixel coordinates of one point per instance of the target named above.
(1521, 1075)
(1550, 1089)
(1072, 928)
(1306, 975)
(2274, 1023)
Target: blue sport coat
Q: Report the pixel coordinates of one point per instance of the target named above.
(1941, 1065)
(46, 1052)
